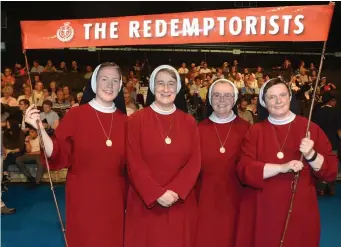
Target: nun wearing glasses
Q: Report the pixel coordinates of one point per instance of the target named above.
(164, 157)
(90, 142)
(218, 187)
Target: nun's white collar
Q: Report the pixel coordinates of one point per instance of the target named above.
(105, 109)
(217, 120)
(162, 112)
(287, 120)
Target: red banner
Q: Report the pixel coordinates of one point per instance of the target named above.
(294, 23)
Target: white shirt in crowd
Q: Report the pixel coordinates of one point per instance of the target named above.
(183, 70)
(35, 146)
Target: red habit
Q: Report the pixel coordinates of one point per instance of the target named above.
(95, 186)
(265, 202)
(155, 167)
(218, 185)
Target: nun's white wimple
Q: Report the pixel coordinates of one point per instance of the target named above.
(223, 80)
(94, 79)
(261, 92)
(153, 75)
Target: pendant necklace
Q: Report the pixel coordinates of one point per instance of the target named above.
(280, 154)
(222, 148)
(108, 142)
(168, 140)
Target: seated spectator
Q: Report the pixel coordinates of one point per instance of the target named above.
(243, 112)
(27, 95)
(253, 106)
(23, 105)
(50, 67)
(195, 87)
(326, 87)
(38, 95)
(248, 88)
(51, 116)
(53, 90)
(68, 97)
(62, 68)
(46, 95)
(32, 154)
(74, 67)
(7, 79)
(19, 70)
(4, 116)
(259, 73)
(89, 72)
(203, 90)
(37, 68)
(61, 103)
(239, 82)
(129, 101)
(78, 99)
(14, 145)
(183, 69)
(8, 99)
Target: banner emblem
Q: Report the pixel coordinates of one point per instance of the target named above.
(65, 33)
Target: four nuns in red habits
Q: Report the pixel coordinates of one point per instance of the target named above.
(270, 153)
(218, 186)
(241, 197)
(90, 142)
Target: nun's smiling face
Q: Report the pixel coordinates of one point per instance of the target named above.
(165, 89)
(222, 99)
(277, 101)
(108, 85)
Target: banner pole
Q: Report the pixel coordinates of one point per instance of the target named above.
(45, 155)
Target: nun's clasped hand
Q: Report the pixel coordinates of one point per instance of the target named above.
(168, 198)
(306, 146)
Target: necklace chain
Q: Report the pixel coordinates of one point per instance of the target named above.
(228, 133)
(162, 125)
(280, 148)
(112, 117)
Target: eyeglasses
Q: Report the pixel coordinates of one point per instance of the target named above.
(162, 84)
(218, 96)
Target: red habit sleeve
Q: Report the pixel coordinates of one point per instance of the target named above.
(249, 169)
(62, 142)
(184, 182)
(328, 171)
(148, 189)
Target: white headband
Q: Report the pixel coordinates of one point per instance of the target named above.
(153, 75)
(261, 92)
(223, 80)
(94, 78)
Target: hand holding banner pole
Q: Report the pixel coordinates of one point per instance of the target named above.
(45, 155)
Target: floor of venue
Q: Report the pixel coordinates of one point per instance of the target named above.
(36, 223)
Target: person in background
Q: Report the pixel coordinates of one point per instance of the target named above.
(7, 79)
(27, 95)
(243, 112)
(328, 118)
(49, 67)
(37, 68)
(62, 68)
(89, 72)
(23, 105)
(13, 146)
(8, 99)
(51, 116)
(32, 154)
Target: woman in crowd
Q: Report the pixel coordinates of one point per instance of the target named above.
(14, 145)
(218, 187)
(271, 153)
(163, 164)
(90, 142)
